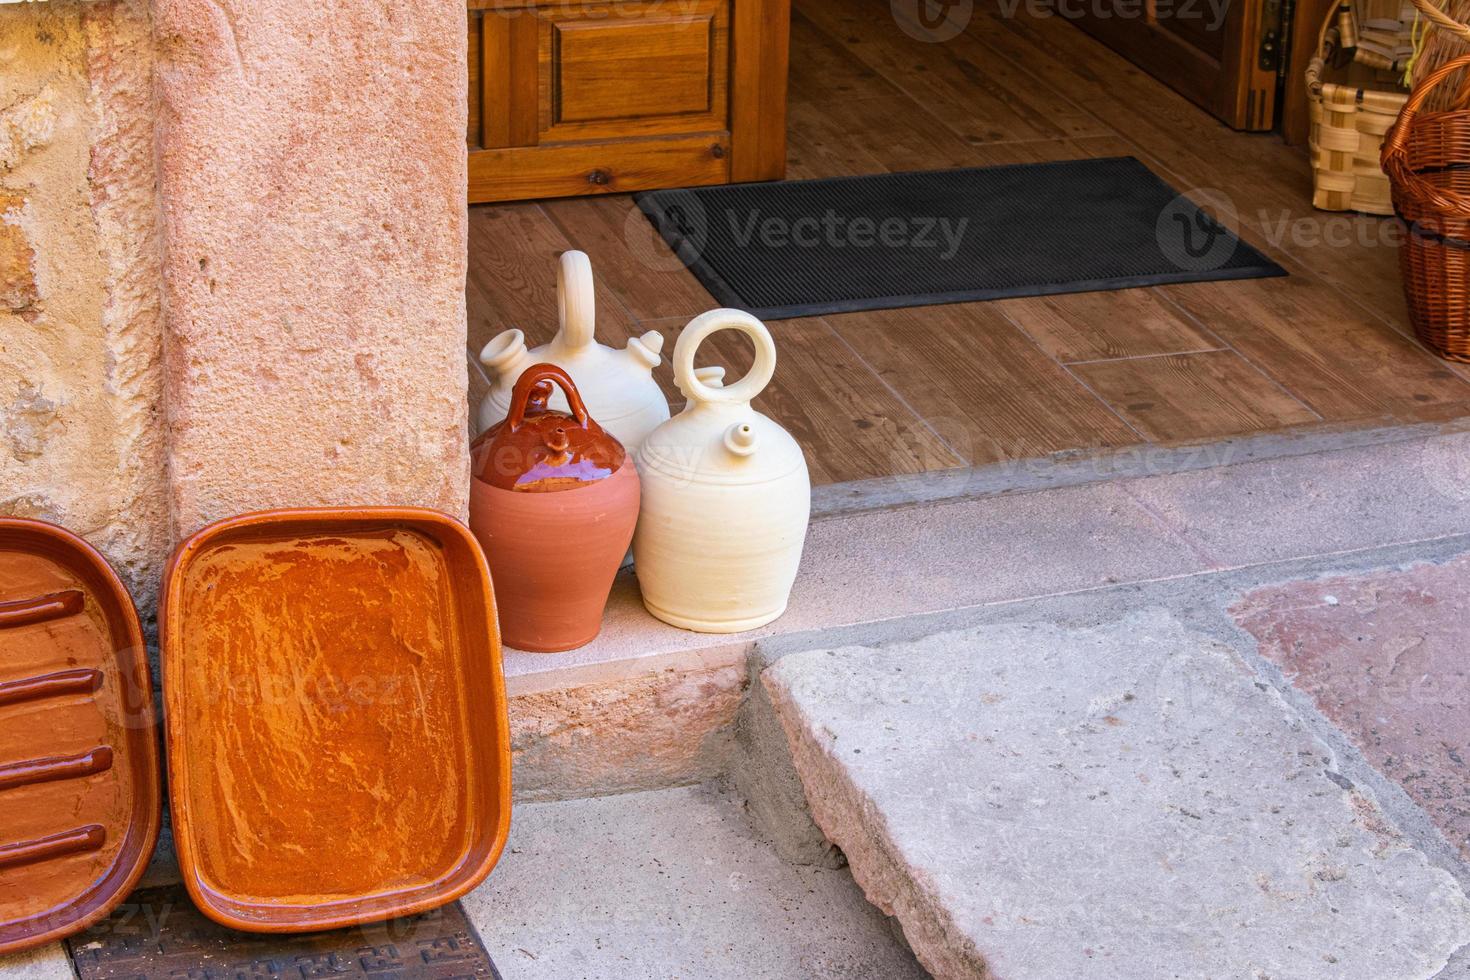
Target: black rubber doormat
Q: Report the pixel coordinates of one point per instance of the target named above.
(840, 244)
(157, 932)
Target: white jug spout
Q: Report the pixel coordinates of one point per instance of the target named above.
(506, 355)
(740, 439)
(644, 350)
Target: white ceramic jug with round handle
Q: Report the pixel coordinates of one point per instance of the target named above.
(726, 496)
(616, 385)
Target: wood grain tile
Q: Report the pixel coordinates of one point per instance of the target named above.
(478, 389)
(817, 146)
(835, 406)
(1045, 151)
(1355, 255)
(981, 99)
(1268, 182)
(1189, 397)
(897, 136)
(900, 391)
(981, 383)
(1106, 88)
(629, 257)
(1334, 356)
(1101, 326)
(826, 71)
(512, 278)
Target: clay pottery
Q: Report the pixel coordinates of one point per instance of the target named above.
(617, 386)
(80, 803)
(338, 748)
(726, 496)
(553, 500)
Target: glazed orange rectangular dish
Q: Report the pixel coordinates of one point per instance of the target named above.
(337, 742)
(79, 788)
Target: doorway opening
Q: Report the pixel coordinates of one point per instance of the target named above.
(901, 393)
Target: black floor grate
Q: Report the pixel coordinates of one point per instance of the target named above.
(841, 244)
(157, 932)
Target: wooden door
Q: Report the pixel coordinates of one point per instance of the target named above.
(1223, 55)
(600, 96)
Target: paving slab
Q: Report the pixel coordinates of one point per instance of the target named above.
(1172, 517)
(1167, 513)
(1299, 506)
(1126, 800)
(49, 962)
(671, 884)
(865, 567)
(1383, 655)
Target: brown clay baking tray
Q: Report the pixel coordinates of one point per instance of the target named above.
(79, 781)
(335, 712)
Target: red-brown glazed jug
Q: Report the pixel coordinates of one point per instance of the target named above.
(553, 502)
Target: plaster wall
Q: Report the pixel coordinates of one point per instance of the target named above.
(312, 175)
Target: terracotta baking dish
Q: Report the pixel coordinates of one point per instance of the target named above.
(336, 726)
(79, 793)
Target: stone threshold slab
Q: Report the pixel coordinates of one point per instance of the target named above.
(1118, 801)
(914, 557)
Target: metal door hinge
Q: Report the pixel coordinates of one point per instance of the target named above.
(1269, 55)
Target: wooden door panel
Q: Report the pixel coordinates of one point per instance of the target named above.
(616, 70)
(660, 67)
(472, 136)
(1209, 53)
(519, 173)
(600, 96)
(508, 90)
(1201, 33)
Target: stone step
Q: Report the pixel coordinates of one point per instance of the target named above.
(1123, 800)
(646, 705)
(672, 883)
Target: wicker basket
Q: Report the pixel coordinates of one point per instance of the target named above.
(1427, 159)
(1350, 115)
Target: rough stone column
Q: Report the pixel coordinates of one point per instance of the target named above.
(80, 337)
(312, 188)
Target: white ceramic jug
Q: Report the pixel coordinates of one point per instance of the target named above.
(616, 385)
(726, 496)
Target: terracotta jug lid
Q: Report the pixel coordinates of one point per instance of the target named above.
(536, 449)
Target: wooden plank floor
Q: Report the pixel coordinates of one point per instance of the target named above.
(927, 388)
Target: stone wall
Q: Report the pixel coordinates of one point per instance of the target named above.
(80, 329)
(232, 254)
(312, 179)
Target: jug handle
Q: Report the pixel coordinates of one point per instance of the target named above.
(746, 388)
(534, 375)
(575, 298)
